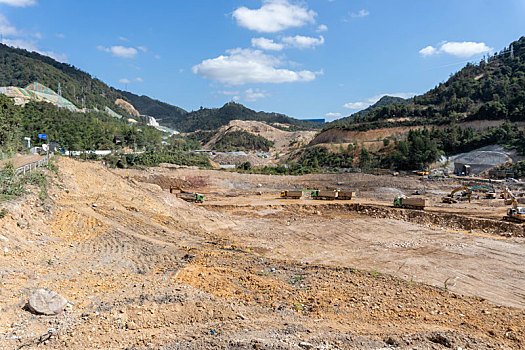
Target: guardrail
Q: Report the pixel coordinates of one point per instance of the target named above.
(32, 166)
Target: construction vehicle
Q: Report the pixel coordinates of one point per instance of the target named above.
(410, 202)
(450, 198)
(514, 214)
(490, 192)
(188, 196)
(291, 194)
(322, 194)
(422, 173)
(345, 195)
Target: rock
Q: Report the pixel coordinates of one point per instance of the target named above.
(47, 302)
(131, 325)
(306, 345)
(95, 205)
(3, 238)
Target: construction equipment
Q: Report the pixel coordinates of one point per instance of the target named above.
(422, 172)
(291, 194)
(490, 192)
(345, 195)
(188, 196)
(450, 198)
(322, 194)
(514, 214)
(410, 202)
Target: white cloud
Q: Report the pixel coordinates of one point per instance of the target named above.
(459, 49)
(253, 95)
(243, 66)
(267, 44)
(139, 80)
(322, 28)
(5, 27)
(120, 51)
(31, 46)
(303, 42)
(157, 57)
(228, 93)
(19, 3)
(143, 48)
(362, 13)
(60, 35)
(124, 81)
(333, 115)
(371, 100)
(465, 49)
(428, 51)
(123, 38)
(274, 16)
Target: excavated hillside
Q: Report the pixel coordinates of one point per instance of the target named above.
(283, 140)
(142, 269)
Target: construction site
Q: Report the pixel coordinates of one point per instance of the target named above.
(175, 258)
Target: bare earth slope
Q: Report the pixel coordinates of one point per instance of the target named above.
(143, 269)
(282, 139)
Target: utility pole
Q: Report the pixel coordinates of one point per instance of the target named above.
(511, 51)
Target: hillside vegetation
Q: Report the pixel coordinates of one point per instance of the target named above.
(485, 91)
(240, 140)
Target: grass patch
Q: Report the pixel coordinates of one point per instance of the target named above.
(13, 185)
(296, 279)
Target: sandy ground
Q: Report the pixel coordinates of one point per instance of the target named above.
(143, 269)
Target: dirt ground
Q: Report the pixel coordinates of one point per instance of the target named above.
(143, 269)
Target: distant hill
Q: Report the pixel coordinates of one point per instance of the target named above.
(383, 101)
(214, 118)
(492, 90)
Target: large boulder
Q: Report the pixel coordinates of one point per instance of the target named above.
(47, 302)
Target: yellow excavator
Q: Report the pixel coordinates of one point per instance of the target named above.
(514, 214)
(450, 198)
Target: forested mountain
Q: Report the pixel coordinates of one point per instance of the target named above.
(489, 90)
(20, 68)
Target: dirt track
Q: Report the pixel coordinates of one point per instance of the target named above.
(144, 269)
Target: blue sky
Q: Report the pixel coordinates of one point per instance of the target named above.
(306, 59)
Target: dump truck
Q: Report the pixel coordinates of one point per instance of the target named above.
(188, 196)
(345, 195)
(191, 197)
(291, 194)
(322, 194)
(410, 202)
